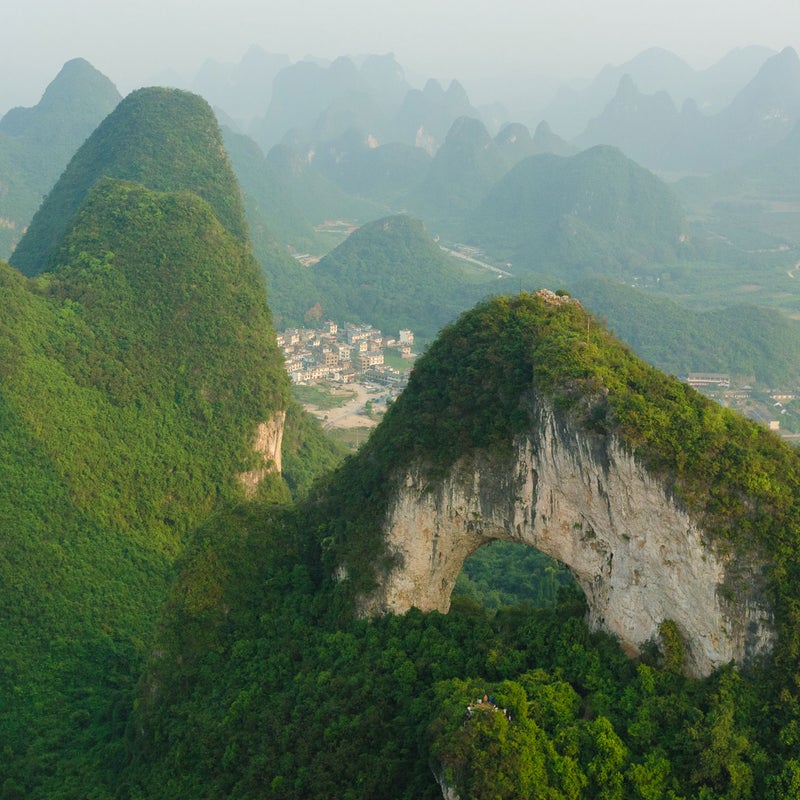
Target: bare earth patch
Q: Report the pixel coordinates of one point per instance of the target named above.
(350, 415)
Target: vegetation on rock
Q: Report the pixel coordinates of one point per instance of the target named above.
(165, 139)
(376, 708)
(162, 637)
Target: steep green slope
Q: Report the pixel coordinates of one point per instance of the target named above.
(593, 213)
(133, 379)
(37, 143)
(392, 274)
(314, 704)
(165, 139)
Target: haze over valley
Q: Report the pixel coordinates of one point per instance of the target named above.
(540, 536)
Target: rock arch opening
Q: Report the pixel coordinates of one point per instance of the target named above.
(502, 573)
(584, 500)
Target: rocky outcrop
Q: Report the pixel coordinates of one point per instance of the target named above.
(583, 499)
(448, 791)
(269, 439)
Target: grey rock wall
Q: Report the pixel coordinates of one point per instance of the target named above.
(584, 500)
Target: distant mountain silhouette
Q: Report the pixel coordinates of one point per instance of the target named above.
(649, 129)
(756, 192)
(464, 168)
(305, 92)
(320, 198)
(354, 110)
(37, 143)
(776, 171)
(593, 213)
(384, 173)
(546, 141)
(426, 116)
(652, 71)
(515, 142)
(763, 113)
(645, 127)
(242, 90)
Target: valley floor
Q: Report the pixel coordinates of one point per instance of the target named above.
(352, 413)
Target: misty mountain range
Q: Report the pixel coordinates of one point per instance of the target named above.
(320, 103)
(355, 141)
(182, 562)
(655, 108)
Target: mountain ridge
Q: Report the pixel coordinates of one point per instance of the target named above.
(132, 144)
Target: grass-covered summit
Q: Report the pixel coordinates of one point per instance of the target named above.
(165, 139)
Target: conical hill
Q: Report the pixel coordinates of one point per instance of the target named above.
(165, 139)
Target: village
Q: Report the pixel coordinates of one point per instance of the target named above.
(347, 376)
(776, 409)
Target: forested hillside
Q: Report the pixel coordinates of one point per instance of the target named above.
(521, 703)
(593, 213)
(392, 274)
(130, 401)
(164, 139)
(134, 376)
(167, 632)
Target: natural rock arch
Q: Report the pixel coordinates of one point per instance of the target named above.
(583, 499)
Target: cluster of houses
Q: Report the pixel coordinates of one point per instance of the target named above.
(344, 355)
(765, 406)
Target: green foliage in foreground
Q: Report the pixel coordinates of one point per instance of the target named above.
(483, 382)
(308, 452)
(315, 704)
(132, 379)
(310, 709)
(506, 574)
(261, 684)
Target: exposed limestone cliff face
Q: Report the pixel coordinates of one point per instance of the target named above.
(448, 792)
(269, 439)
(582, 499)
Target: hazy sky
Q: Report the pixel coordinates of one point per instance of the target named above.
(134, 40)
